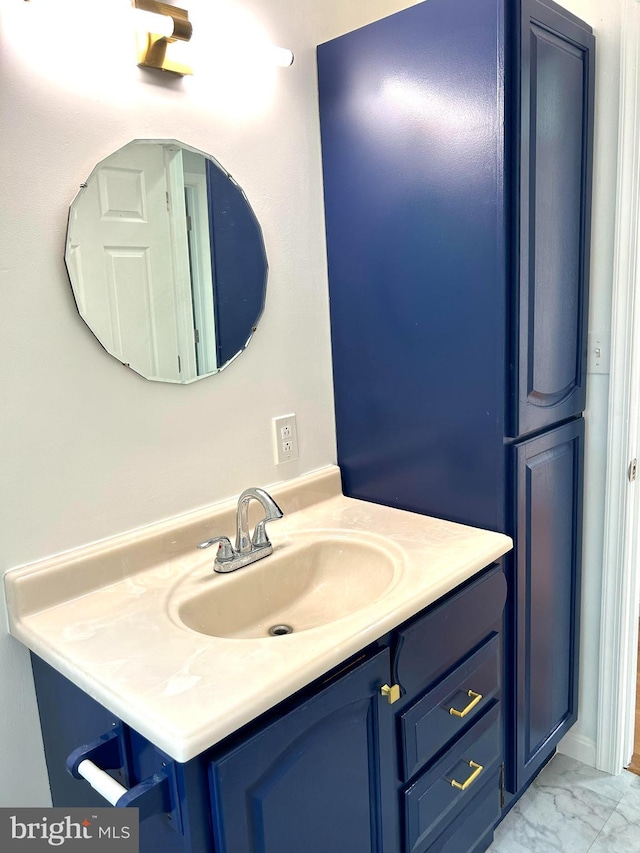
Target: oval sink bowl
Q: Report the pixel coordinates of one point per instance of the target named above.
(304, 584)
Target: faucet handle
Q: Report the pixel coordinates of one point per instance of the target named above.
(225, 548)
(260, 538)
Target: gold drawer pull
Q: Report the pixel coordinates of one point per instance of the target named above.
(391, 692)
(475, 698)
(477, 770)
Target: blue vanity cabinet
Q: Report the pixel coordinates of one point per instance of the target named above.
(335, 767)
(347, 771)
(449, 662)
(457, 144)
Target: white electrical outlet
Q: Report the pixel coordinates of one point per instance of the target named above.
(285, 438)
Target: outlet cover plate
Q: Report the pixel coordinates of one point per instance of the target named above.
(285, 438)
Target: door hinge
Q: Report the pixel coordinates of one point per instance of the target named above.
(196, 334)
(179, 365)
(502, 785)
(188, 222)
(633, 470)
(167, 197)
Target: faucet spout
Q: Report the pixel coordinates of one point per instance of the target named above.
(244, 543)
(248, 548)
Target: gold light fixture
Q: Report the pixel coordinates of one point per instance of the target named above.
(158, 26)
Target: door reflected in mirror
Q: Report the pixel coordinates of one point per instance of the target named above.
(166, 260)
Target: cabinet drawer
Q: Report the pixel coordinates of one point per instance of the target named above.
(450, 707)
(448, 632)
(472, 832)
(433, 801)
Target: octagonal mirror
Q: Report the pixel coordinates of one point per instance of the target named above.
(166, 260)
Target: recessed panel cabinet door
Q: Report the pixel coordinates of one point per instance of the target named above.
(549, 532)
(556, 103)
(311, 781)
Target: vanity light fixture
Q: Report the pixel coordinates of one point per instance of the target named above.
(158, 26)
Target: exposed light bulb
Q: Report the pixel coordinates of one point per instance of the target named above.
(153, 22)
(282, 56)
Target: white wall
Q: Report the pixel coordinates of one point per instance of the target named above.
(89, 448)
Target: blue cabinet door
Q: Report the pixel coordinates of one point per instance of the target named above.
(548, 541)
(314, 780)
(556, 129)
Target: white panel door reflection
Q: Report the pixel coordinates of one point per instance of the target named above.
(121, 225)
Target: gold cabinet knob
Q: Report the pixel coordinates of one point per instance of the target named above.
(391, 692)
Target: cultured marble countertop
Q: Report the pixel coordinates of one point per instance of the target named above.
(104, 615)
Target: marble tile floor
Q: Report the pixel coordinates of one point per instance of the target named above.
(572, 808)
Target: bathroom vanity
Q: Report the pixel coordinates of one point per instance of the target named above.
(342, 765)
(378, 729)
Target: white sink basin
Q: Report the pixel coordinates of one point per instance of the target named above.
(306, 583)
(144, 625)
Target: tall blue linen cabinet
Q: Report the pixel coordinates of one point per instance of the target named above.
(457, 151)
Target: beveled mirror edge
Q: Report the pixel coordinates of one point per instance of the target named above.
(229, 176)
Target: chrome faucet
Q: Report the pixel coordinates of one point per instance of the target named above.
(247, 548)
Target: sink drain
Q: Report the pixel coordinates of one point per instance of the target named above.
(279, 630)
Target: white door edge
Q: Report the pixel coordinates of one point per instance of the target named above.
(620, 582)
